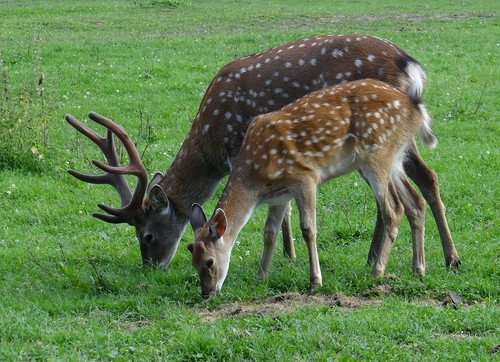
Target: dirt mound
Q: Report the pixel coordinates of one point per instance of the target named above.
(286, 303)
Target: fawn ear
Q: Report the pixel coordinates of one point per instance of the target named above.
(218, 224)
(197, 218)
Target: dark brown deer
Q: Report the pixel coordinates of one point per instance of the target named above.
(242, 89)
(364, 125)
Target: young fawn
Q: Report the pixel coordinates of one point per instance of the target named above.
(365, 125)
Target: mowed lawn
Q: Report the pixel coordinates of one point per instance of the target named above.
(73, 288)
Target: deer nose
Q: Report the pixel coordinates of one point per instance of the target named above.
(147, 262)
(148, 238)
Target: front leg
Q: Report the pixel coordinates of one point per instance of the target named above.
(286, 230)
(275, 216)
(306, 203)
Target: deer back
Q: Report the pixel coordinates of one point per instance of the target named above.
(330, 132)
(268, 80)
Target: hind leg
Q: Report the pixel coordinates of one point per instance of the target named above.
(378, 175)
(414, 209)
(427, 181)
(377, 233)
(391, 210)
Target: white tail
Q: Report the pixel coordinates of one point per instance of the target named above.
(414, 79)
(425, 133)
(364, 125)
(242, 89)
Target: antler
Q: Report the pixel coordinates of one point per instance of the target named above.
(131, 204)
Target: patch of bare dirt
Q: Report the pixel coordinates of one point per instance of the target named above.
(135, 325)
(291, 302)
(287, 303)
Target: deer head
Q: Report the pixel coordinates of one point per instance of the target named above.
(211, 264)
(148, 215)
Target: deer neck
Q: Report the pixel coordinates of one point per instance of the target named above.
(238, 200)
(191, 177)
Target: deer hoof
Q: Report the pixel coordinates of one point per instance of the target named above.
(261, 275)
(453, 263)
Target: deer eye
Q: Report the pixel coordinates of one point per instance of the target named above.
(209, 263)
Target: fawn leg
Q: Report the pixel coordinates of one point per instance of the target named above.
(286, 229)
(274, 219)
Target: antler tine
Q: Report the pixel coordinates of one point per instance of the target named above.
(135, 166)
(130, 203)
(106, 145)
(112, 219)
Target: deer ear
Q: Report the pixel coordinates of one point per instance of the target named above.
(158, 199)
(197, 218)
(218, 224)
(154, 181)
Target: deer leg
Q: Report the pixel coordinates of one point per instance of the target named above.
(392, 210)
(274, 219)
(286, 229)
(377, 233)
(414, 208)
(306, 203)
(427, 181)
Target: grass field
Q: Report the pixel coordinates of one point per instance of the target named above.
(73, 288)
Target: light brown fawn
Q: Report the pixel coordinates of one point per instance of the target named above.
(364, 125)
(242, 89)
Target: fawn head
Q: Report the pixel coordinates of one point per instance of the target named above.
(209, 253)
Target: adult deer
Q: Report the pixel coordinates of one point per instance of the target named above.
(242, 89)
(363, 125)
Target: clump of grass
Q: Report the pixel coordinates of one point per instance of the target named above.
(23, 121)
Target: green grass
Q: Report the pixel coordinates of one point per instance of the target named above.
(72, 287)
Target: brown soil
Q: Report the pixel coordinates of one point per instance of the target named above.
(291, 302)
(287, 303)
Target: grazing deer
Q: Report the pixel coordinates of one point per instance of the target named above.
(364, 125)
(242, 89)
